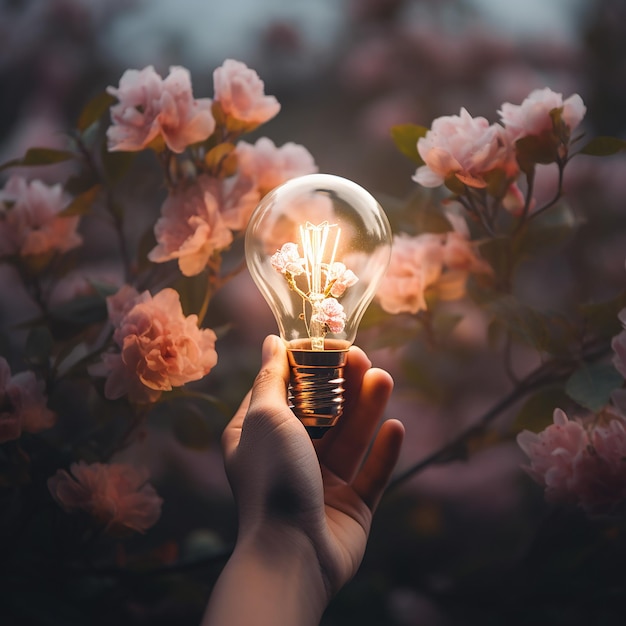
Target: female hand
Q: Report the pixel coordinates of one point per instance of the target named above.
(306, 507)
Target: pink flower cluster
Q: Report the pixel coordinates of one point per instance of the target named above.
(151, 109)
(159, 347)
(470, 149)
(117, 496)
(201, 216)
(585, 466)
(191, 227)
(31, 221)
(327, 310)
(427, 261)
(23, 404)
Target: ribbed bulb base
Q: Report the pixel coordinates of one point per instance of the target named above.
(316, 388)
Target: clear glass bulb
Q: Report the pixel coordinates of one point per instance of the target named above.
(317, 248)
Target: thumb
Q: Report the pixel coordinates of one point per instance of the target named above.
(269, 391)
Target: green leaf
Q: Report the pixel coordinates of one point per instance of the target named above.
(405, 136)
(94, 110)
(536, 413)
(39, 156)
(222, 159)
(603, 146)
(534, 149)
(591, 385)
(83, 203)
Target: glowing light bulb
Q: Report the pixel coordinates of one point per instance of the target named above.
(317, 248)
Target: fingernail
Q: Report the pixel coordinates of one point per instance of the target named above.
(269, 348)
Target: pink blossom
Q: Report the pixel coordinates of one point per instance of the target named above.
(532, 117)
(270, 166)
(341, 278)
(415, 264)
(30, 222)
(150, 108)
(160, 348)
(240, 94)
(578, 465)
(554, 456)
(237, 196)
(117, 496)
(288, 260)
(23, 404)
(190, 229)
(465, 147)
(330, 313)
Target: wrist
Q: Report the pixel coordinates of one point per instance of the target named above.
(272, 577)
(286, 550)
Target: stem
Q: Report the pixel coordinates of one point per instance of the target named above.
(118, 221)
(530, 185)
(546, 374)
(471, 206)
(557, 195)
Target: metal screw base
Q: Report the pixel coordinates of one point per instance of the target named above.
(316, 388)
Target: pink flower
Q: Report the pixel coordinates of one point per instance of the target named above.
(532, 117)
(270, 166)
(240, 94)
(581, 466)
(288, 260)
(236, 197)
(160, 348)
(30, 222)
(23, 404)
(341, 278)
(117, 496)
(330, 313)
(555, 454)
(190, 229)
(464, 147)
(415, 264)
(151, 108)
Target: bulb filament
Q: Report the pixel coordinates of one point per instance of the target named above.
(325, 279)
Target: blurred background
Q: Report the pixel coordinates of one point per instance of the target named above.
(456, 544)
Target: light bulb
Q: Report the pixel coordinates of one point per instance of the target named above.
(317, 247)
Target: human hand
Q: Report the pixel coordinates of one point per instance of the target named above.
(294, 494)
